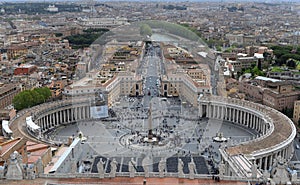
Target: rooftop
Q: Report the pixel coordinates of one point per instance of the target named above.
(267, 79)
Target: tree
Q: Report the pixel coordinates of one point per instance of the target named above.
(29, 98)
(44, 92)
(291, 63)
(145, 29)
(259, 64)
(58, 34)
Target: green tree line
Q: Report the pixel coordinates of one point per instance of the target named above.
(85, 39)
(284, 53)
(175, 29)
(30, 98)
(145, 29)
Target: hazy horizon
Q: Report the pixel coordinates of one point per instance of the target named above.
(233, 1)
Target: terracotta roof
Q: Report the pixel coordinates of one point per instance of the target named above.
(33, 159)
(35, 147)
(7, 145)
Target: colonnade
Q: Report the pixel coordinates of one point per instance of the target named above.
(63, 115)
(262, 151)
(265, 162)
(237, 115)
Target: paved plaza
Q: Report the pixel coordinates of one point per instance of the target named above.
(183, 136)
(151, 129)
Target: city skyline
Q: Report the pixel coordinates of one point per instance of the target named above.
(221, 1)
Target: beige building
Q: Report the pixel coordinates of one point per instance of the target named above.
(274, 93)
(296, 116)
(122, 84)
(243, 63)
(186, 84)
(7, 93)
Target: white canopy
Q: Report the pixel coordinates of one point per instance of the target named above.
(5, 127)
(31, 124)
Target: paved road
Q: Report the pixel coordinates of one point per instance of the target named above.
(152, 66)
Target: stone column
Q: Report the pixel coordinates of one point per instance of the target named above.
(289, 150)
(63, 116)
(271, 161)
(47, 122)
(254, 121)
(75, 113)
(57, 118)
(251, 121)
(283, 153)
(214, 111)
(230, 114)
(266, 160)
(79, 113)
(88, 112)
(286, 153)
(85, 112)
(241, 117)
(71, 114)
(223, 112)
(51, 119)
(227, 113)
(260, 163)
(262, 127)
(244, 118)
(200, 110)
(41, 124)
(258, 124)
(67, 115)
(247, 120)
(60, 117)
(234, 115)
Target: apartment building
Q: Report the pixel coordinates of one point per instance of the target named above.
(271, 92)
(296, 115)
(7, 93)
